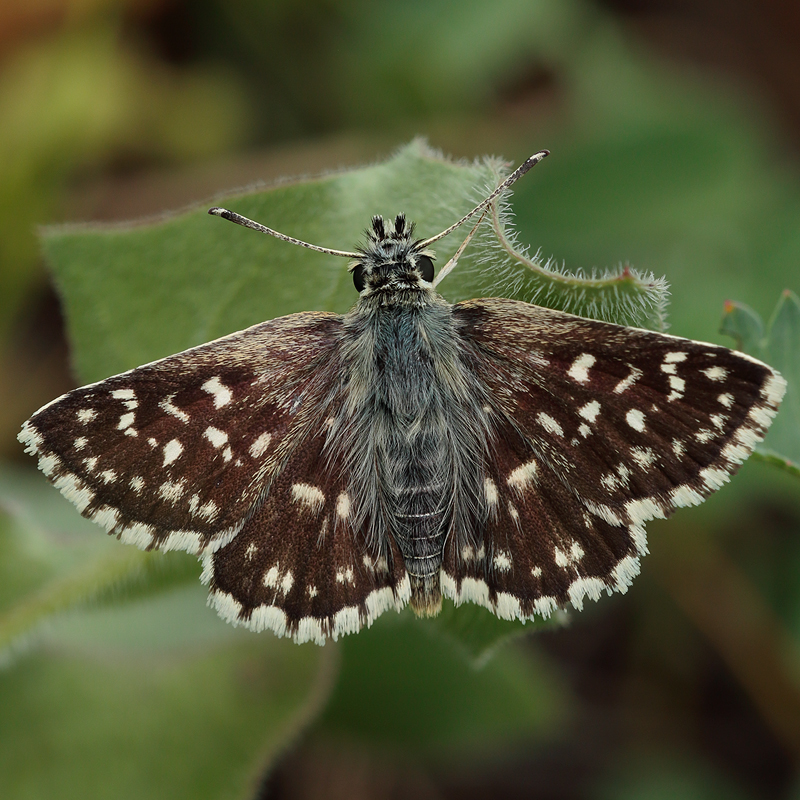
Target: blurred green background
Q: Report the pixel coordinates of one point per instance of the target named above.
(674, 129)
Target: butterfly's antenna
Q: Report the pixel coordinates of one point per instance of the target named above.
(257, 226)
(515, 175)
(451, 264)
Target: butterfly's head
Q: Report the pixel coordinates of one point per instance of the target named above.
(392, 260)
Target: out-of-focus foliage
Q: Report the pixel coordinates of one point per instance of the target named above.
(116, 678)
(779, 345)
(79, 99)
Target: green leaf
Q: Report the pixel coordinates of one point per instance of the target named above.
(779, 347)
(158, 700)
(53, 560)
(783, 352)
(623, 295)
(435, 700)
(745, 326)
(133, 294)
(477, 633)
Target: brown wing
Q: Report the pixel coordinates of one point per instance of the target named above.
(174, 454)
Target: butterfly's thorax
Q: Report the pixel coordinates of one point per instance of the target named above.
(414, 427)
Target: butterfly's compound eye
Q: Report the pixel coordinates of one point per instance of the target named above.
(425, 267)
(358, 278)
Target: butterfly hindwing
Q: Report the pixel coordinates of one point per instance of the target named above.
(299, 566)
(173, 454)
(598, 429)
(540, 549)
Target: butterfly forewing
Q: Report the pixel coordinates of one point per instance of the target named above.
(599, 429)
(174, 454)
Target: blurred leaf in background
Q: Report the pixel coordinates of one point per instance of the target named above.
(79, 98)
(779, 344)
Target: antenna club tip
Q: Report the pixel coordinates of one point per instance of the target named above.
(218, 212)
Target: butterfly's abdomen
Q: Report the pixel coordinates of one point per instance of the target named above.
(418, 471)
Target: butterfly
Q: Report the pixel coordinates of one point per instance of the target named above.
(329, 467)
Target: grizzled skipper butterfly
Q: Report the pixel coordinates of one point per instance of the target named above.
(327, 468)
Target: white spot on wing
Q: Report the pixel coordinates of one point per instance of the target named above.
(86, 415)
(107, 517)
(126, 420)
(345, 575)
(217, 437)
(585, 587)
(208, 511)
(271, 577)
(713, 478)
(502, 561)
(74, 490)
(522, 476)
(549, 424)
(635, 419)
(774, 388)
(222, 394)
(167, 407)
(683, 496)
(343, 505)
(490, 491)
(678, 385)
(579, 371)
(172, 490)
(309, 496)
(172, 450)
(634, 376)
(643, 456)
(260, 445)
(49, 463)
(590, 411)
(715, 373)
